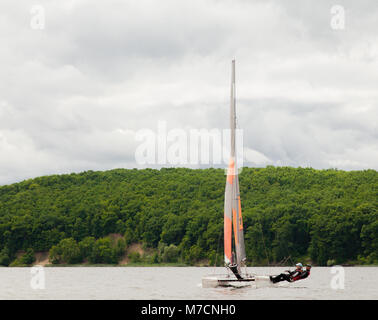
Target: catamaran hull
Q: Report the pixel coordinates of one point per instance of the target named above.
(215, 281)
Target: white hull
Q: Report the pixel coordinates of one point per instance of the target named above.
(214, 281)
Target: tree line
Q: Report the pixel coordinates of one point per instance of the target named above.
(323, 216)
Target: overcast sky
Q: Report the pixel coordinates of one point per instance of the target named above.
(307, 93)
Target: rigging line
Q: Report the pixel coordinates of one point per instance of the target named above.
(287, 251)
(289, 256)
(284, 260)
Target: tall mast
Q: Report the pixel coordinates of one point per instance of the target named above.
(236, 209)
(232, 111)
(228, 195)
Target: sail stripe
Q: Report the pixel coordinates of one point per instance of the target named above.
(234, 217)
(240, 215)
(240, 248)
(227, 239)
(228, 223)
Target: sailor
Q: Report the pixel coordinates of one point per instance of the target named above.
(290, 276)
(304, 273)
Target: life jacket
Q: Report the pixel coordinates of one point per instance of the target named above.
(302, 275)
(297, 277)
(305, 274)
(297, 273)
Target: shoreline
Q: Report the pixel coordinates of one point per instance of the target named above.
(166, 265)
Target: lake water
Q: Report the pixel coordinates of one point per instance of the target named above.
(179, 283)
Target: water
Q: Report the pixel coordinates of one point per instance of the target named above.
(178, 283)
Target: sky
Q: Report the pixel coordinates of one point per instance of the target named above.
(80, 79)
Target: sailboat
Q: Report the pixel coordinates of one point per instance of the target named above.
(234, 248)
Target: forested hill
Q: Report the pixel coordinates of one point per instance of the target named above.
(289, 213)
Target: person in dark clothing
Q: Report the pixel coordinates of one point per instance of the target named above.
(289, 276)
(281, 277)
(304, 274)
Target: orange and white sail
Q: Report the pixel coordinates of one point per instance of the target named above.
(233, 222)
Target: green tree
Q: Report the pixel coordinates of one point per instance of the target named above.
(170, 254)
(120, 248)
(326, 215)
(369, 235)
(134, 257)
(86, 247)
(173, 229)
(103, 252)
(4, 257)
(67, 251)
(28, 258)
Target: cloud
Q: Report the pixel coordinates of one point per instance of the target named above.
(306, 94)
(256, 158)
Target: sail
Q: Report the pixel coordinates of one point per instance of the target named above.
(228, 197)
(238, 225)
(232, 204)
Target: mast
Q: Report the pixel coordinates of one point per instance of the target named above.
(232, 110)
(232, 204)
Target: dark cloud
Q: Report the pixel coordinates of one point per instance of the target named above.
(73, 94)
